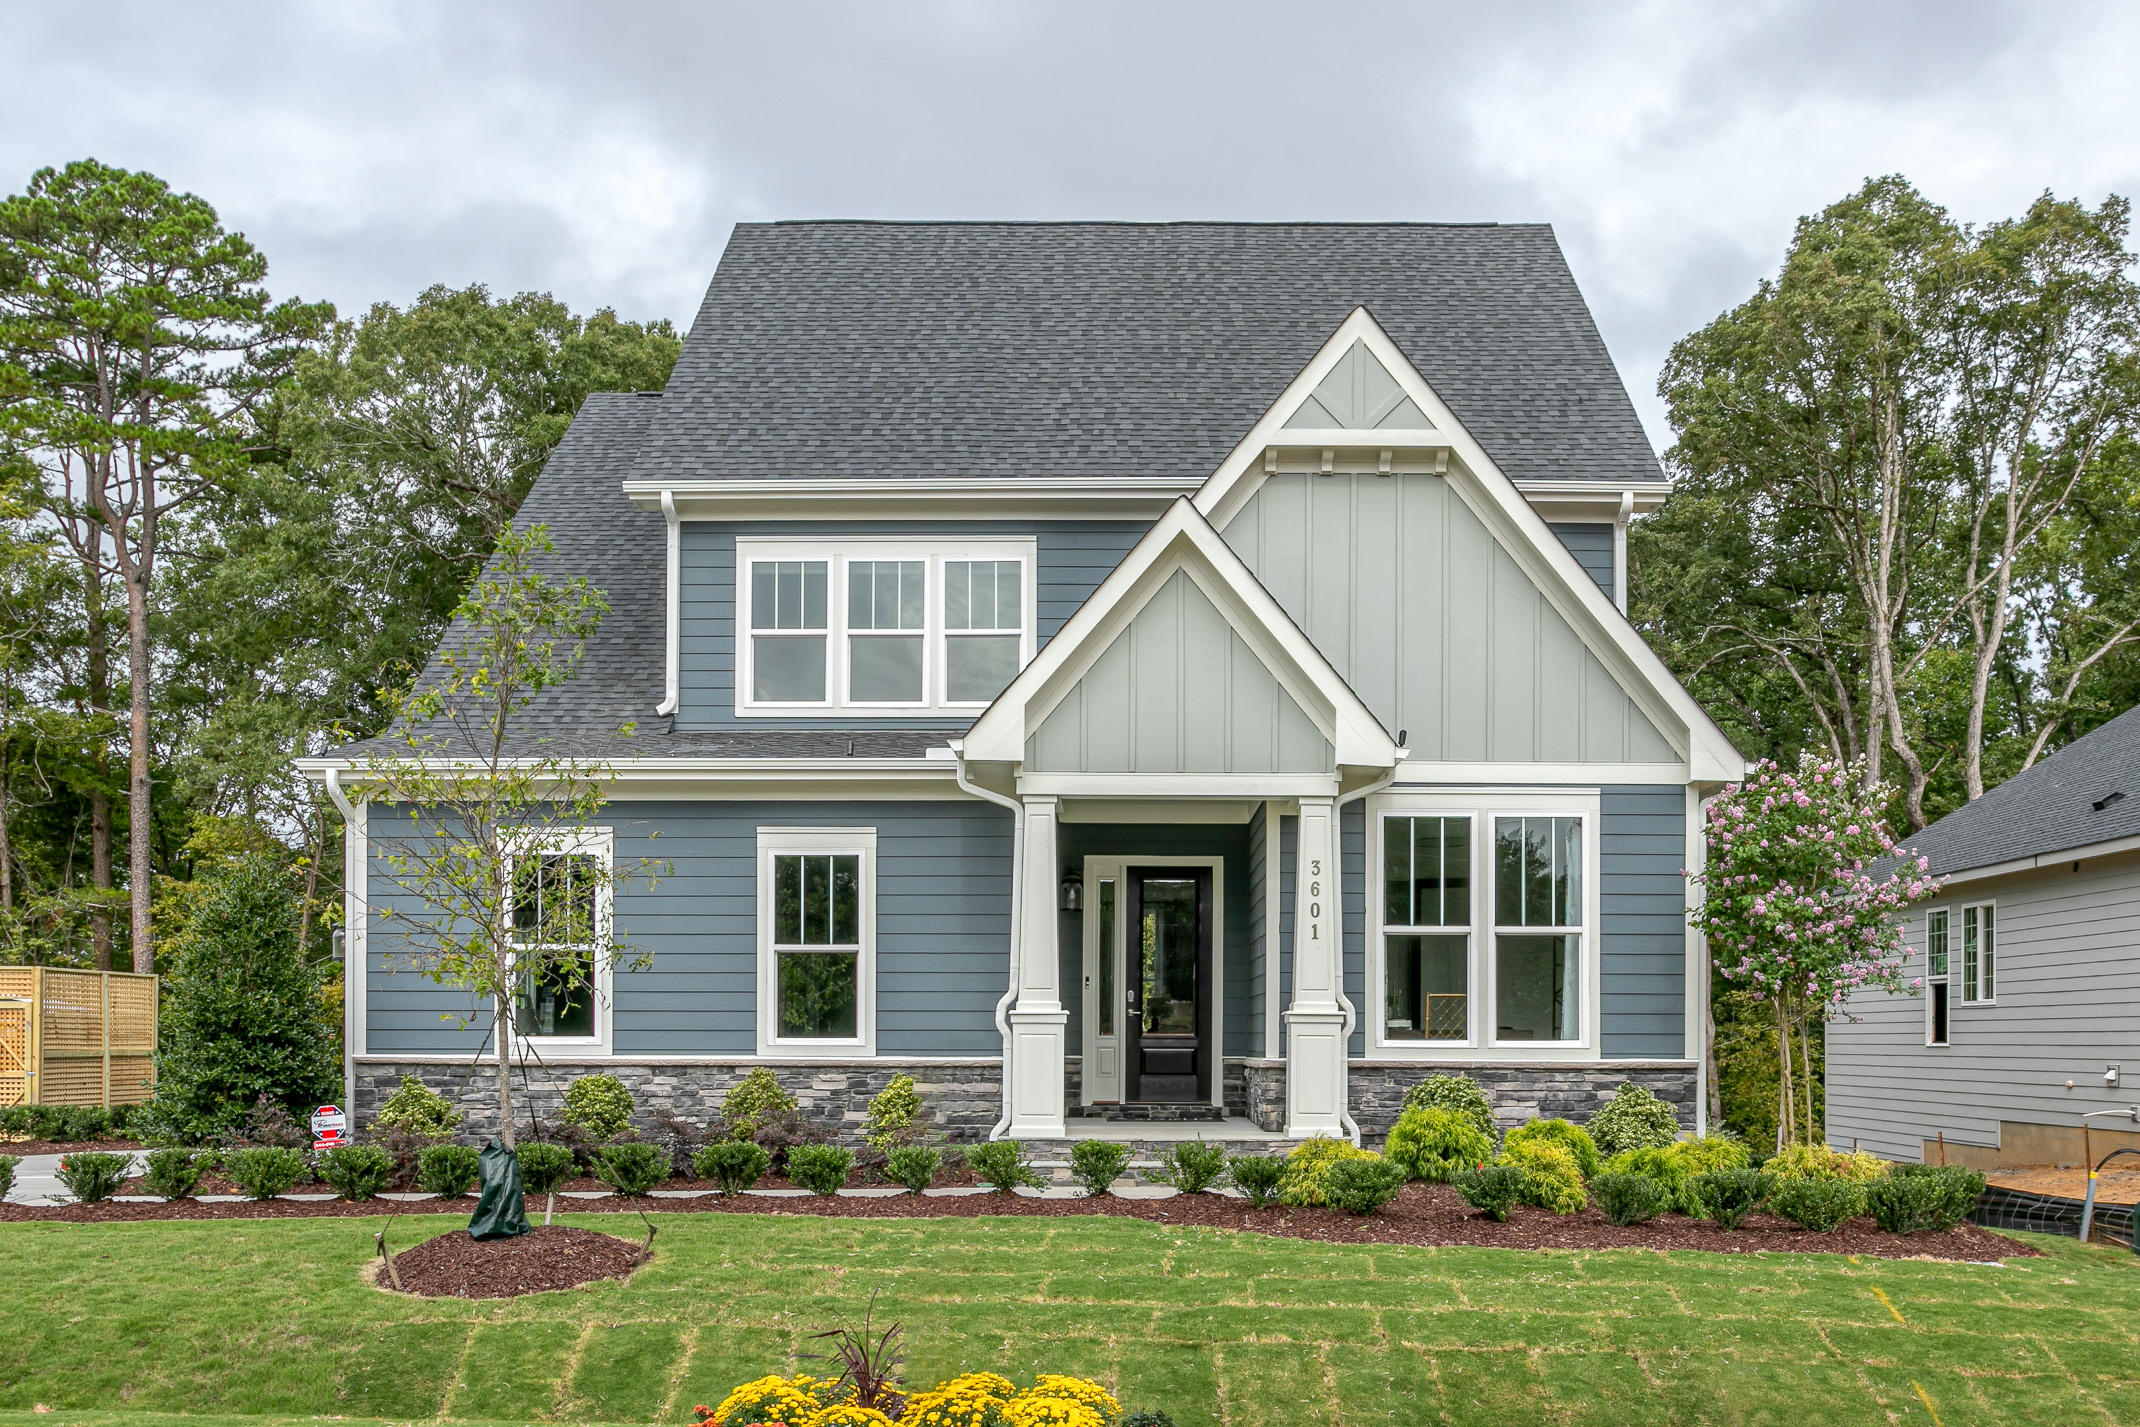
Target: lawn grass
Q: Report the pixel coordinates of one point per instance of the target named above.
(268, 1319)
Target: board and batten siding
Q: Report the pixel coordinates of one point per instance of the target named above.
(1177, 691)
(1592, 546)
(1436, 626)
(943, 918)
(1071, 558)
(2068, 988)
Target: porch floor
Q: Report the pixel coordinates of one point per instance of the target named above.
(1233, 1127)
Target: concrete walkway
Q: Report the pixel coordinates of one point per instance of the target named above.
(37, 1179)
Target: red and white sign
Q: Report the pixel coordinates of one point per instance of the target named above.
(329, 1126)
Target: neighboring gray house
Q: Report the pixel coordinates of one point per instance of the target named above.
(2026, 1014)
(1181, 666)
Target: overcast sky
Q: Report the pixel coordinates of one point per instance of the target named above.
(602, 152)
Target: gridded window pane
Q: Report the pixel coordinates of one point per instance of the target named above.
(787, 594)
(884, 594)
(977, 667)
(884, 669)
(554, 899)
(982, 594)
(1969, 954)
(1538, 877)
(560, 1002)
(1426, 871)
(816, 899)
(1987, 953)
(788, 669)
(1425, 989)
(1936, 943)
(1537, 990)
(817, 994)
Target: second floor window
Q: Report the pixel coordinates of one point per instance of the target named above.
(881, 625)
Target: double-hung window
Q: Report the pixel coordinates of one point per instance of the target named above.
(816, 940)
(560, 909)
(1979, 954)
(1938, 951)
(873, 625)
(1538, 928)
(1426, 928)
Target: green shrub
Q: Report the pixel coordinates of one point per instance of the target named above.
(894, 1116)
(599, 1107)
(1307, 1169)
(67, 1124)
(1192, 1166)
(1097, 1164)
(821, 1169)
(1002, 1165)
(1727, 1196)
(419, 1110)
(1676, 1166)
(1493, 1190)
(755, 1101)
(1900, 1203)
(1955, 1196)
(240, 1013)
(1568, 1135)
(543, 1166)
(173, 1173)
(1626, 1199)
(1433, 1144)
(631, 1168)
(1459, 1093)
(1821, 1162)
(1821, 1205)
(93, 1175)
(264, 1171)
(735, 1165)
(912, 1165)
(7, 1172)
(1551, 1178)
(1634, 1119)
(356, 1171)
(1361, 1186)
(451, 1170)
(1257, 1176)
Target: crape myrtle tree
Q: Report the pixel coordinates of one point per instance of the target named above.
(1803, 893)
(496, 886)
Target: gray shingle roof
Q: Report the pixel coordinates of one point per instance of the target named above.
(2049, 808)
(839, 349)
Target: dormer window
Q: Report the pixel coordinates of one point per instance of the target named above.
(875, 625)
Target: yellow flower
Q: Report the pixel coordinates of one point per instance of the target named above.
(1076, 1389)
(987, 1384)
(766, 1399)
(958, 1403)
(846, 1414)
(1029, 1411)
(824, 1391)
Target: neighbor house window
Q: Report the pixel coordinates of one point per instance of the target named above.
(1426, 928)
(560, 909)
(1979, 953)
(876, 624)
(1936, 961)
(816, 918)
(1538, 928)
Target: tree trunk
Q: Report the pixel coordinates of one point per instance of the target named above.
(137, 792)
(1786, 1113)
(1805, 1058)
(98, 691)
(503, 1024)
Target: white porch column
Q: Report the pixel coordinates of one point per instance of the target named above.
(1315, 1022)
(1039, 1023)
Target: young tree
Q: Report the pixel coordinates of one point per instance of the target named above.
(136, 339)
(496, 892)
(1799, 909)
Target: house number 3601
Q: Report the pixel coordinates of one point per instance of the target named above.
(1315, 908)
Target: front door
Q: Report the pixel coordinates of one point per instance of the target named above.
(1167, 1020)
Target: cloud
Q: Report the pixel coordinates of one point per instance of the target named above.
(602, 152)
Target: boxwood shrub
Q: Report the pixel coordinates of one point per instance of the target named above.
(631, 1168)
(1432, 1144)
(450, 1170)
(356, 1172)
(1727, 1196)
(1095, 1164)
(1626, 1199)
(1821, 1205)
(735, 1165)
(174, 1173)
(821, 1169)
(1493, 1190)
(264, 1171)
(93, 1175)
(914, 1166)
(1257, 1176)
(1361, 1186)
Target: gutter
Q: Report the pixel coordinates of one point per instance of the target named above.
(1337, 865)
(1010, 988)
(2087, 851)
(672, 696)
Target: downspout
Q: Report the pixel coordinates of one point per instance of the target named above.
(1010, 990)
(332, 780)
(1337, 863)
(1619, 549)
(672, 640)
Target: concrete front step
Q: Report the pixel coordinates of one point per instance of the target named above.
(1051, 1158)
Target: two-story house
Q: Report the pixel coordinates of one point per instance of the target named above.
(1171, 670)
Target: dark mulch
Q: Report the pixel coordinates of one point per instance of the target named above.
(1421, 1214)
(542, 1261)
(29, 1147)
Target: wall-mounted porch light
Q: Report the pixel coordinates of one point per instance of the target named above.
(1073, 891)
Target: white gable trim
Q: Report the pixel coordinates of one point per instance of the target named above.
(1183, 540)
(1522, 531)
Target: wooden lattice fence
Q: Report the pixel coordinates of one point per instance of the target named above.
(76, 1037)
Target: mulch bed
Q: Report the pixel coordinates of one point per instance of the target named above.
(30, 1147)
(1421, 1214)
(541, 1261)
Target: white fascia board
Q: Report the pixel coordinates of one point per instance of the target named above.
(1182, 539)
(1509, 514)
(700, 777)
(893, 497)
(1239, 786)
(2038, 861)
(1413, 774)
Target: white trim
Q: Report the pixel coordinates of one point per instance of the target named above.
(860, 842)
(1183, 540)
(930, 497)
(1619, 550)
(2086, 852)
(1972, 962)
(673, 598)
(1483, 806)
(1413, 773)
(1513, 520)
(1234, 786)
(1943, 979)
(1273, 909)
(598, 842)
(1118, 866)
(1696, 1033)
(1223, 813)
(837, 554)
(687, 1058)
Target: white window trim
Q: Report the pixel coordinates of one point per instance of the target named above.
(836, 555)
(599, 842)
(862, 842)
(1959, 981)
(1483, 807)
(1943, 978)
